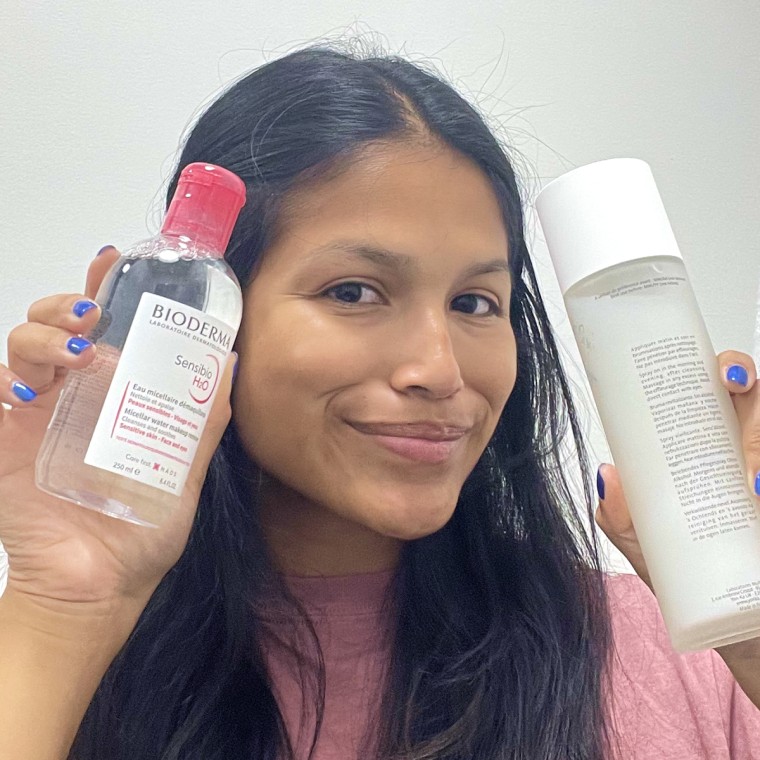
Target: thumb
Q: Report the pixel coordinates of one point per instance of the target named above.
(614, 518)
(98, 269)
(217, 422)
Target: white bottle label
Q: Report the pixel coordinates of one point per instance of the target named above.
(161, 393)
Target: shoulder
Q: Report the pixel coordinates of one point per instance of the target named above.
(642, 651)
(665, 704)
(625, 590)
(634, 612)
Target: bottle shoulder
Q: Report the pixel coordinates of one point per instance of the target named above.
(171, 248)
(206, 283)
(650, 272)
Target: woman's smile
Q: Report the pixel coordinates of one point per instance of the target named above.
(422, 442)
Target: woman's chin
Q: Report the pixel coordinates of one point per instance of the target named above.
(412, 523)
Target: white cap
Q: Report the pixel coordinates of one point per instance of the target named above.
(603, 214)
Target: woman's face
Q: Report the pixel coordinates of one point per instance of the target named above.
(376, 351)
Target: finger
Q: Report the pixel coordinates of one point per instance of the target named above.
(38, 364)
(70, 311)
(739, 374)
(612, 504)
(737, 371)
(37, 353)
(614, 518)
(13, 390)
(747, 408)
(218, 420)
(99, 266)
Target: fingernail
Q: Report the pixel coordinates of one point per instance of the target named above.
(235, 367)
(81, 308)
(24, 392)
(77, 345)
(104, 249)
(737, 374)
(757, 484)
(600, 484)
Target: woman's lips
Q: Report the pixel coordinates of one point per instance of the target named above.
(425, 442)
(418, 449)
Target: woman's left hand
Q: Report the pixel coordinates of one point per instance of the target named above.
(614, 519)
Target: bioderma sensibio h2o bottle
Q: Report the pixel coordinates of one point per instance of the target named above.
(125, 429)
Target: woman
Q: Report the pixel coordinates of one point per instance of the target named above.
(385, 560)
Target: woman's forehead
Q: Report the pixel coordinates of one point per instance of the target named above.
(400, 190)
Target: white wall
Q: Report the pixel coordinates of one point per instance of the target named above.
(95, 97)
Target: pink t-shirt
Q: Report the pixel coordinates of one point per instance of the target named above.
(664, 705)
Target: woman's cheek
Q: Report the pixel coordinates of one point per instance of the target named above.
(491, 370)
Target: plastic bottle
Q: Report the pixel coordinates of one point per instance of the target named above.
(670, 424)
(125, 429)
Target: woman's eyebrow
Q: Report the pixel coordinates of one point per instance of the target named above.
(487, 267)
(395, 260)
(348, 249)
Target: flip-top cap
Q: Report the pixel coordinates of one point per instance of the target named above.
(205, 206)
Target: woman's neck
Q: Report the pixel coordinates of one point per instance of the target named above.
(307, 539)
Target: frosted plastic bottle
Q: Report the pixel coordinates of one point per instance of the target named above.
(125, 429)
(670, 423)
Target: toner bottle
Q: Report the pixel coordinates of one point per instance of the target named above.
(670, 423)
(125, 429)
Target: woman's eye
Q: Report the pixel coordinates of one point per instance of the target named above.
(353, 292)
(479, 306)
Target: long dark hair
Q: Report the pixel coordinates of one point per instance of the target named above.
(502, 636)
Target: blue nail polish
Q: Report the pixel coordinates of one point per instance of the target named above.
(757, 484)
(235, 368)
(104, 249)
(24, 392)
(77, 345)
(81, 308)
(737, 374)
(600, 484)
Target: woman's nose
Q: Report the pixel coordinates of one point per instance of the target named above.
(425, 359)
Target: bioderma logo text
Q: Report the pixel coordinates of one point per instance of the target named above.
(190, 323)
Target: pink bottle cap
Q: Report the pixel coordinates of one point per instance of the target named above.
(205, 206)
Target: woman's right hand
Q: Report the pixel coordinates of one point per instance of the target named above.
(63, 556)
